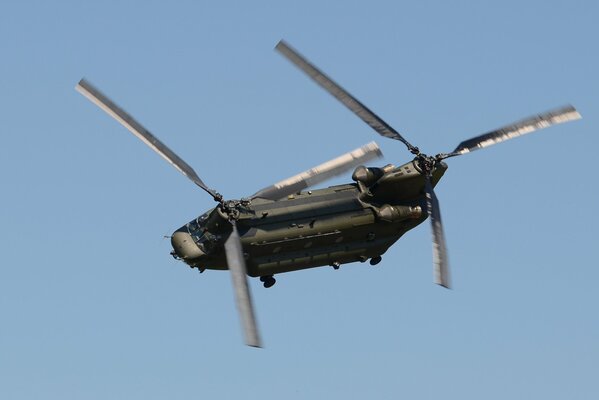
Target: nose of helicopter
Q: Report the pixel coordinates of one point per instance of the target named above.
(184, 246)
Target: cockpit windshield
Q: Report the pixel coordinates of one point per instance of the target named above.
(198, 231)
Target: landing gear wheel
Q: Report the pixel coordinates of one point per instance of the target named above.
(268, 281)
(375, 260)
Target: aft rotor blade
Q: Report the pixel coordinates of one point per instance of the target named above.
(320, 173)
(236, 262)
(440, 259)
(528, 125)
(98, 98)
(373, 120)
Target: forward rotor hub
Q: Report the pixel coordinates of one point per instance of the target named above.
(232, 208)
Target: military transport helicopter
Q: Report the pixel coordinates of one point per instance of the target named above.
(284, 228)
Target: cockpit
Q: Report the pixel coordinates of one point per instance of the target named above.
(199, 231)
(193, 240)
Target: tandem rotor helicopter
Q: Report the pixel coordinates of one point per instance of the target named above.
(284, 228)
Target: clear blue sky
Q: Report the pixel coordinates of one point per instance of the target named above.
(92, 306)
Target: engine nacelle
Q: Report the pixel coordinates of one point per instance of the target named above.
(391, 213)
(368, 175)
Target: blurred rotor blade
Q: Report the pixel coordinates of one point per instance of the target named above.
(440, 259)
(373, 120)
(236, 262)
(528, 125)
(320, 173)
(98, 98)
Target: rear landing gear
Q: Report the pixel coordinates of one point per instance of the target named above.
(268, 281)
(375, 260)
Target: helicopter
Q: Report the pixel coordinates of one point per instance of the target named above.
(288, 227)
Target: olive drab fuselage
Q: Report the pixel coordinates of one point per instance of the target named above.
(337, 225)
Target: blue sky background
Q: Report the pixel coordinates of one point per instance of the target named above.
(92, 306)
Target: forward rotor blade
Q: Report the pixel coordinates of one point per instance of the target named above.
(373, 120)
(98, 98)
(320, 173)
(440, 259)
(236, 262)
(528, 125)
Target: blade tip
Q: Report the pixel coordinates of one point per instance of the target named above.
(372, 148)
(82, 82)
(281, 43)
(376, 148)
(79, 85)
(574, 112)
(84, 87)
(445, 285)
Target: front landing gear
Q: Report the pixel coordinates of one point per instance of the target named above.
(268, 280)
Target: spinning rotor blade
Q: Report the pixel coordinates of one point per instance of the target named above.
(236, 262)
(373, 120)
(528, 125)
(98, 98)
(320, 173)
(440, 259)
